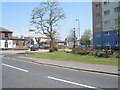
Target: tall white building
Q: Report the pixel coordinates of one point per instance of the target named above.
(104, 14)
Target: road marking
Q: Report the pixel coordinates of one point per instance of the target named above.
(15, 67)
(58, 79)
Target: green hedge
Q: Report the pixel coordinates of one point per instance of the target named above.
(97, 53)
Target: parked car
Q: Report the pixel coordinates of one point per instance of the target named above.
(34, 48)
(43, 47)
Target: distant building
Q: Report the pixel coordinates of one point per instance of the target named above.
(43, 42)
(104, 14)
(61, 44)
(7, 41)
(20, 44)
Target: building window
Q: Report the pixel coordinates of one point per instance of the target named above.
(98, 15)
(117, 9)
(116, 43)
(24, 43)
(6, 35)
(106, 12)
(98, 6)
(98, 34)
(107, 44)
(98, 44)
(106, 23)
(6, 43)
(17, 43)
(106, 2)
(97, 25)
(107, 33)
(9, 43)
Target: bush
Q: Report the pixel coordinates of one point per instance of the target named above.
(55, 48)
(97, 53)
(51, 50)
(80, 52)
(102, 54)
(67, 50)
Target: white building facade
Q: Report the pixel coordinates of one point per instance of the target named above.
(104, 34)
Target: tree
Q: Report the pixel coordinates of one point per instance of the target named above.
(117, 28)
(86, 38)
(46, 17)
(117, 23)
(57, 36)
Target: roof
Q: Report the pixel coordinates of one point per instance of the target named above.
(19, 39)
(42, 38)
(61, 41)
(4, 30)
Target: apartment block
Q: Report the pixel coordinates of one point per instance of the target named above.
(104, 14)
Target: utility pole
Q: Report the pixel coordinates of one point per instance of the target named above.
(74, 38)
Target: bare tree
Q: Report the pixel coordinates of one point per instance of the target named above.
(46, 17)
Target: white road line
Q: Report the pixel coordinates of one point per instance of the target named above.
(15, 67)
(58, 79)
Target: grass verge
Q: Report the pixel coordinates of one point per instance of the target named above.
(75, 58)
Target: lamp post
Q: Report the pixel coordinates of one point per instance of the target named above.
(78, 29)
(74, 39)
(31, 30)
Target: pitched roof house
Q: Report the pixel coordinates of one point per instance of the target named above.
(8, 42)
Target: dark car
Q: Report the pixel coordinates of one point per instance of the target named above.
(34, 48)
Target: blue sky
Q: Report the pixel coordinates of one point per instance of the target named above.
(16, 17)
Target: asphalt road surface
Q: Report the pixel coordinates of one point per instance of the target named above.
(20, 74)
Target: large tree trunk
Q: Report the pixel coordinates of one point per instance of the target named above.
(51, 43)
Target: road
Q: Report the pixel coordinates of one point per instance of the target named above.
(21, 74)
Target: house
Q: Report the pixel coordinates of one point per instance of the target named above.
(7, 41)
(20, 44)
(104, 14)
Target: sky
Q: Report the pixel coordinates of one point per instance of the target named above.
(16, 17)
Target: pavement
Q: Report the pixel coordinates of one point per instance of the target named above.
(22, 51)
(75, 65)
(71, 65)
(23, 74)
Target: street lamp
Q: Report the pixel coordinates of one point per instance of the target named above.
(31, 30)
(78, 28)
(74, 39)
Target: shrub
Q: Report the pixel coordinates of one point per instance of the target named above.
(67, 50)
(115, 55)
(51, 50)
(97, 53)
(80, 52)
(55, 48)
(102, 54)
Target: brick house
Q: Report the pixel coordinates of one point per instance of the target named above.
(20, 44)
(8, 42)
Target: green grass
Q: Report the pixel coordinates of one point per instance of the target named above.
(75, 58)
